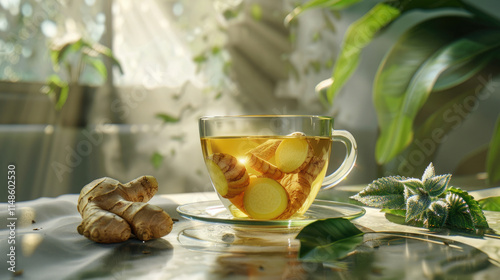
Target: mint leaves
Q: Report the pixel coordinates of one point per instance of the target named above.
(428, 200)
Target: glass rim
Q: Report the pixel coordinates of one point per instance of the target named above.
(321, 117)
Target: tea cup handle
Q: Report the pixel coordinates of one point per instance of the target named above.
(351, 154)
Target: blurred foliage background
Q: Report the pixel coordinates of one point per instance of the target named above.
(135, 76)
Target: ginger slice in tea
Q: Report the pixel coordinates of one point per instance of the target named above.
(293, 154)
(298, 186)
(265, 198)
(228, 175)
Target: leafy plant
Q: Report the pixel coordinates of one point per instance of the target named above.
(429, 200)
(441, 60)
(69, 60)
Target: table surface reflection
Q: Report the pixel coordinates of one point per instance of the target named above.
(48, 247)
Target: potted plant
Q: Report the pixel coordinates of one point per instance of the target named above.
(70, 57)
(438, 64)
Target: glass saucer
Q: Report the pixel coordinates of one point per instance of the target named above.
(214, 212)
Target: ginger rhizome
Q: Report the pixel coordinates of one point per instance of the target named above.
(298, 186)
(264, 167)
(229, 176)
(112, 211)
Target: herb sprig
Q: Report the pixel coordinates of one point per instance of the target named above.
(429, 200)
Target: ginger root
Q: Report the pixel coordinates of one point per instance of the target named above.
(265, 150)
(228, 175)
(266, 168)
(111, 211)
(298, 186)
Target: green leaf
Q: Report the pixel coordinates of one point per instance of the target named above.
(98, 65)
(459, 215)
(331, 4)
(436, 185)
(328, 240)
(490, 203)
(414, 185)
(430, 134)
(156, 160)
(436, 214)
(493, 158)
(458, 74)
(396, 212)
(416, 205)
(358, 35)
(256, 12)
(59, 55)
(166, 118)
(200, 58)
(401, 63)
(103, 50)
(387, 192)
(429, 172)
(399, 133)
(58, 90)
(407, 5)
(63, 96)
(474, 207)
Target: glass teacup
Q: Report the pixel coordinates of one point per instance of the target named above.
(271, 167)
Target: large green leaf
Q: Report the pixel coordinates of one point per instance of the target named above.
(398, 134)
(328, 240)
(358, 35)
(459, 74)
(493, 160)
(411, 50)
(439, 117)
(407, 5)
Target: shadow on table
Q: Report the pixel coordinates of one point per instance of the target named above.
(129, 259)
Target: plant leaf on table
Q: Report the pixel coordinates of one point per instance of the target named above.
(490, 203)
(328, 240)
(429, 200)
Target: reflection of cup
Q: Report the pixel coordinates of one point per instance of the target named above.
(272, 166)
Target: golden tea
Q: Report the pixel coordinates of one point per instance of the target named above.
(267, 177)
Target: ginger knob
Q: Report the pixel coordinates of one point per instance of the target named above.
(298, 186)
(228, 175)
(112, 211)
